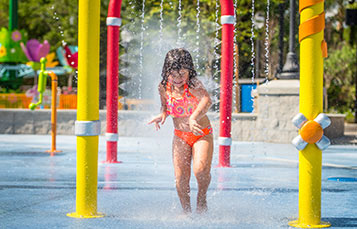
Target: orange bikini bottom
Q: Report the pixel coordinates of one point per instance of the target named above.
(190, 138)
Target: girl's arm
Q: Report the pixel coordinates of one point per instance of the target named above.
(205, 101)
(160, 119)
(162, 93)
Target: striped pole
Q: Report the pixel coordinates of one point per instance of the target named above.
(87, 126)
(312, 51)
(225, 140)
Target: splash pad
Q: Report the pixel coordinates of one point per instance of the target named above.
(87, 127)
(88, 118)
(258, 191)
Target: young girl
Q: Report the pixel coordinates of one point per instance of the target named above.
(184, 98)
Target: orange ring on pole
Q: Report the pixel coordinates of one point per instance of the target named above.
(307, 3)
(312, 26)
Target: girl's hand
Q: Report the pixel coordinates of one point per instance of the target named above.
(160, 119)
(195, 128)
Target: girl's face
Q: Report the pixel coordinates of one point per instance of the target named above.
(179, 78)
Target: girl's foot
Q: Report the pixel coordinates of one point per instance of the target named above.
(185, 215)
(201, 206)
(186, 208)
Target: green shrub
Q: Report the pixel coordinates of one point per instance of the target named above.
(339, 75)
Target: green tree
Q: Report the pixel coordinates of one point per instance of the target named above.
(58, 20)
(339, 76)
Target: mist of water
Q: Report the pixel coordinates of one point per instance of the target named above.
(252, 42)
(197, 49)
(141, 49)
(56, 19)
(151, 49)
(61, 32)
(235, 54)
(217, 57)
(266, 42)
(161, 25)
(179, 22)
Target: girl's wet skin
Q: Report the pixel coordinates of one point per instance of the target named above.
(180, 83)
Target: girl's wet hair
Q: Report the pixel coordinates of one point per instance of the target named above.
(175, 60)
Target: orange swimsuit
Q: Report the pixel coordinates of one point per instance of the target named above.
(184, 107)
(189, 137)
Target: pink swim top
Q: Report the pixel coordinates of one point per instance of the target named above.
(180, 107)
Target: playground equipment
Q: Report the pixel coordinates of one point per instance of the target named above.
(113, 23)
(62, 56)
(14, 53)
(42, 79)
(34, 51)
(225, 140)
(12, 59)
(87, 126)
(68, 57)
(312, 51)
(72, 57)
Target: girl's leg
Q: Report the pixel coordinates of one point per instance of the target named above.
(202, 159)
(182, 155)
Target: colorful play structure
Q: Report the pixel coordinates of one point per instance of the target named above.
(42, 80)
(12, 58)
(311, 121)
(20, 57)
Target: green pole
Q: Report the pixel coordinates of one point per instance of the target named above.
(13, 22)
(13, 25)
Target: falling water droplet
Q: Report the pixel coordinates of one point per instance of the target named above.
(179, 21)
(216, 56)
(235, 54)
(141, 49)
(197, 50)
(252, 41)
(266, 43)
(161, 25)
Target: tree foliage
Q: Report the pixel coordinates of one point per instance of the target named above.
(57, 21)
(340, 73)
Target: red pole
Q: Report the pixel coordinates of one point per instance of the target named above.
(113, 24)
(225, 140)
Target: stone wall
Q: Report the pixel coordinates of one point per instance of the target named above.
(275, 105)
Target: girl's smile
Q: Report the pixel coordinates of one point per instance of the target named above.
(179, 82)
(179, 78)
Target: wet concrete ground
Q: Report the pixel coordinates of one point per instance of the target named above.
(260, 190)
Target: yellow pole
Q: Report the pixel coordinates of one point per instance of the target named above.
(312, 51)
(87, 124)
